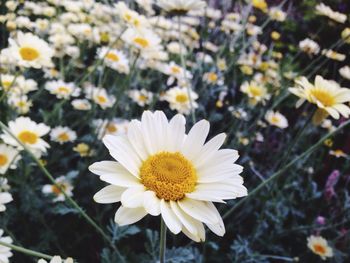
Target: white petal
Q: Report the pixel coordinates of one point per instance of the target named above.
(122, 151)
(148, 132)
(126, 216)
(151, 203)
(133, 197)
(218, 173)
(185, 219)
(113, 173)
(200, 236)
(198, 210)
(195, 139)
(219, 228)
(109, 194)
(135, 137)
(169, 217)
(176, 133)
(209, 149)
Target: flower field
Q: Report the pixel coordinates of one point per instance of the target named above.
(174, 131)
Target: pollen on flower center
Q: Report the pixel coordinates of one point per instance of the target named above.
(323, 96)
(319, 249)
(256, 91)
(56, 190)
(63, 137)
(169, 175)
(141, 41)
(3, 160)
(28, 53)
(182, 98)
(101, 99)
(28, 137)
(113, 57)
(63, 90)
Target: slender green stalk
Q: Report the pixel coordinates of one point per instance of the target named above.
(183, 65)
(68, 198)
(26, 251)
(286, 167)
(162, 241)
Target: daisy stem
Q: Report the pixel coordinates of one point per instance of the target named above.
(286, 167)
(183, 65)
(26, 251)
(162, 241)
(68, 198)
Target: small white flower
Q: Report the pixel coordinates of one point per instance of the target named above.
(179, 99)
(276, 119)
(64, 183)
(5, 252)
(81, 104)
(61, 89)
(319, 246)
(8, 158)
(57, 259)
(63, 135)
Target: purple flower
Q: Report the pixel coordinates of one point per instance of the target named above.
(321, 220)
(330, 184)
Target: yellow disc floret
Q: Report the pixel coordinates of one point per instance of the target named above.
(3, 160)
(28, 53)
(169, 175)
(28, 137)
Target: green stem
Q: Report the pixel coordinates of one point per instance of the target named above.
(68, 198)
(286, 167)
(26, 251)
(162, 241)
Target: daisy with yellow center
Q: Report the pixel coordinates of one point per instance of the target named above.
(161, 170)
(328, 96)
(61, 89)
(179, 100)
(145, 40)
(338, 153)
(63, 135)
(83, 149)
(8, 158)
(115, 126)
(31, 51)
(28, 133)
(7, 82)
(181, 7)
(142, 97)
(333, 55)
(20, 103)
(276, 119)
(319, 246)
(63, 182)
(255, 92)
(100, 97)
(212, 78)
(114, 59)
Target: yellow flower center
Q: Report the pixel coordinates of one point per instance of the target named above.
(319, 249)
(212, 77)
(113, 57)
(56, 190)
(63, 90)
(3, 160)
(143, 98)
(169, 175)
(255, 91)
(111, 128)
(101, 99)
(323, 96)
(6, 84)
(141, 42)
(175, 70)
(181, 98)
(63, 137)
(28, 137)
(29, 53)
(275, 120)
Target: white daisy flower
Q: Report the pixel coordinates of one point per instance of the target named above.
(161, 170)
(319, 246)
(309, 46)
(31, 51)
(8, 158)
(29, 133)
(255, 92)
(57, 259)
(115, 126)
(114, 59)
(5, 252)
(61, 89)
(181, 7)
(100, 97)
(81, 104)
(21, 103)
(276, 119)
(325, 10)
(63, 135)
(65, 184)
(141, 97)
(179, 100)
(145, 40)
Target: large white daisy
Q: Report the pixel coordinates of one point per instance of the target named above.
(161, 170)
(31, 51)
